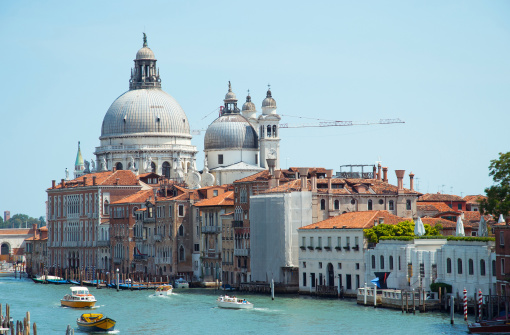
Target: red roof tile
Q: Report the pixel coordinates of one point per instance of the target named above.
(225, 199)
(356, 220)
(137, 198)
(440, 197)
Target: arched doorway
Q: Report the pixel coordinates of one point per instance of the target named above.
(5, 249)
(118, 166)
(166, 169)
(153, 167)
(331, 275)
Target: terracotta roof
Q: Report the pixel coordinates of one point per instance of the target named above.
(44, 228)
(14, 231)
(433, 221)
(107, 178)
(356, 220)
(225, 199)
(473, 199)
(265, 176)
(439, 197)
(138, 197)
(291, 186)
(434, 206)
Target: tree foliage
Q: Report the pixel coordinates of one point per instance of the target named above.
(498, 195)
(22, 221)
(404, 228)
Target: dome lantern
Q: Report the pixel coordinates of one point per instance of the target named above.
(268, 104)
(230, 101)
(145, 74)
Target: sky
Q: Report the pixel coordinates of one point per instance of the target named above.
(441, 66)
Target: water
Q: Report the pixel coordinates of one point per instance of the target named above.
(194, 311)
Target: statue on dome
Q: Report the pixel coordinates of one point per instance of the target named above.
(87, 166)
(93, 164)
(67, 174)
(104, 167)
(132, 165)
(148, 164)
(144, 40)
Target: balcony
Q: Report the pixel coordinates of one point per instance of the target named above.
(103, 243)
(356, 248)
(318, 248)
(347, 248)
(140, 257)
(303, 247)
(157, 238)
(162, 260)
(117, 260)
(339, 248)
(311, 247)
(211, 254)
(328, 248)
(237, 224)
(242, 252)
(211, 229)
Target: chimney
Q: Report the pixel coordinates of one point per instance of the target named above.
(411, 181)
(400, 177)
(117, 181)
(94, 180)
(385, 174)
(314, 181)
(84, 181)
(379, 174)
(375, 173)
(303, 173)
(271, 163)
(63, 182)
(329, 175)
(277, 176)
(53, 184)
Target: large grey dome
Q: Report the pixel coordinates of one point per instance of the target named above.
(145, 111)
(230, 131)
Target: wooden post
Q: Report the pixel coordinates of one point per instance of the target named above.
(440, 300)
(414, 304)
(419, 298)
(35, 329)
(28, 324)
(407, 302)
(424, 296)
(402, 301)
(445, 299)
(452, 302)
(477, 317)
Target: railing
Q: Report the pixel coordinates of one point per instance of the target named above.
(242, 252)
(108, 148)
(103, 243)
(162, 260)
(211, 229)
(211, 254)
(140, 257)
(237, 224)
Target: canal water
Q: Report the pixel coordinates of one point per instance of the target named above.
(194, 311)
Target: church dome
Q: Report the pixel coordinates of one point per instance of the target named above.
(248, 106)
(230, 96)
(146, 112)
(230, 131)
(145, 53)
(269, 101)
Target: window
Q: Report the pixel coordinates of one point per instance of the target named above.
(181, 230)
(313, 279)
(268, 131)
(408, 205)
(348, 241)
(323, 204)
(304, 265)
(482, 267)
(356, 242)
(382, 262)
(337, 204)
(311, 241)
(197, 247)
(220, 159)
(339, 242)
(357, 266)
(118, 166)
(166, 169)
(459, 266)
(459, 207)
(501, 239)
(381, 201)
(471, 267)
(181, 254)
(215, 193)
(274, 131)
(256, 159)
(304, 278)
(391, 262)
(502, 266)
(353, 202)
(106, 207)
(170, 214)
(181, 210)
(319, 242)
(373, 262)
(339, 266)
(493, 268)
(370, 205)
(391, 205)
(448, 265)
(329, 241)
(303, 241)
(320, 265)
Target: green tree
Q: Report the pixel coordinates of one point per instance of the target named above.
(404, 228)
(498, 195)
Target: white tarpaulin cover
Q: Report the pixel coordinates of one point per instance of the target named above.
(419, 228)
(459, 231)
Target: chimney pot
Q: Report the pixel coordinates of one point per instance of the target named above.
(63, 182)
(411, 181)
(94, 180)
(303, 173)
(84, 181)
(400, 177)
(53, 184)
(379, 174)
(385, 174)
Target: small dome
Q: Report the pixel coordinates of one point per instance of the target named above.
(145, 53)
(248, 105)
(230, 96)
(269, 101)
(230, 131)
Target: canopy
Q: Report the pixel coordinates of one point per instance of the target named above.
(482, 227)
(459, 231)
(419, 228)
(501, 219)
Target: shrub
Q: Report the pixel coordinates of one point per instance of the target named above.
(434, 287)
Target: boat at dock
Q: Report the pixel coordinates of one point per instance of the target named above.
(164, 290)
(80, 297)
(225, 301)
(181, 283)
(49, 280)
(91, 322)
(496, 326)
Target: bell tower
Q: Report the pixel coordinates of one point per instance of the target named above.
(269, 131)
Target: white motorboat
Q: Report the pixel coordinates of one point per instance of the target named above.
(225, 301)
(181, 283)
(164, 290)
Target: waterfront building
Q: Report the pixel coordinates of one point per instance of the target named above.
(502, 262)
(36, 250)
(213, 250)
(145, 129)
(473, 202)
(79, 215)
(13, 244)
(453, 201)
(229, 243)
(332, 252)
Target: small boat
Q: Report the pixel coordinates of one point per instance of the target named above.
(95, 323)
(181, 283)
(490, 327)
(49, 279)
(227, 287)
(80, 297)
(164, 290)
(225, 301)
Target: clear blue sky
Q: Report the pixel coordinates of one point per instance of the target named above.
(441, 66)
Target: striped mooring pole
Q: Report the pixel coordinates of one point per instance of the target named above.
(465, 304)
(480, 298)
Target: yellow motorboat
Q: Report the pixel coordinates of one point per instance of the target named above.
(95, 323)
(80, 297)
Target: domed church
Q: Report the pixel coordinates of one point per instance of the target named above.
(145, 129)
(237, 143)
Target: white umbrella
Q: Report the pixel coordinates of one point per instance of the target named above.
(482, 227)
(501, 219)
(459, 231)
(419, 228)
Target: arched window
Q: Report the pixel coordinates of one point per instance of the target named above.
(153, 167)
(106, 207)
(118, 166)
(448, 265)
(382, 262)
(471, 267)
(261, 131)
(482, 267)
(373, 262)
(391, 262)
(181, 230)
(4, 250)
(268, 131)
(369, 205)
(274, 131)
(323, 204)
(181, 254)
(459, 266)
(166, 169)
(493, 268)
(391, 205)
(353, 202)
(337, 204)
